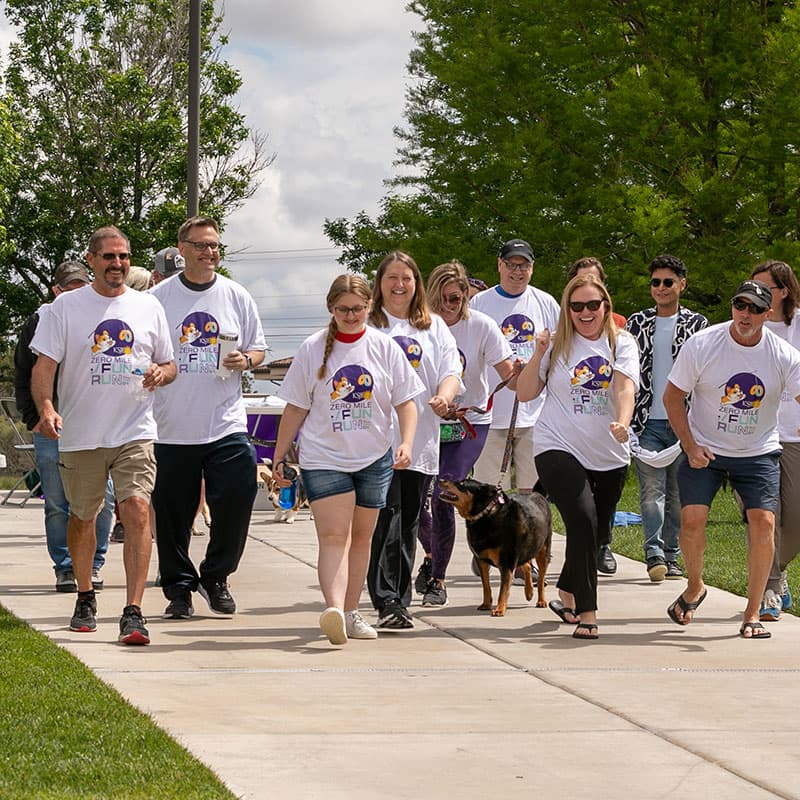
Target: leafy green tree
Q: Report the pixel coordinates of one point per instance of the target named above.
(619, 129)
(98, 94)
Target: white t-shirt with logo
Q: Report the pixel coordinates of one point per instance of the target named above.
(480, 347)
(789, 409)
(97, 340)
(579, 406)
(434, 356)
(350, 411)
(736, 390)
(520, 319)
(200, 407)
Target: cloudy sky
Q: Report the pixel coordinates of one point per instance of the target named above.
(326, 81)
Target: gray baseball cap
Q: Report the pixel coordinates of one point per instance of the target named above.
(68, 271)
(168, 261)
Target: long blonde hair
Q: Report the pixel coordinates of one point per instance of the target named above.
(562, 341)
(342, 284)
(451, 272)
(418, 314)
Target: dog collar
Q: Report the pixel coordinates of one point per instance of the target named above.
(498, 501)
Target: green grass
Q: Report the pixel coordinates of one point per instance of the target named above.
(725, 564)
(66, 734)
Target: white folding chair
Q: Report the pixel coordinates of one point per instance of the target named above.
(30, 477)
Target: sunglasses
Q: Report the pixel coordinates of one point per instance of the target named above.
(668, 282)
(345, 310)
(112, 256)
(452, 299)
(741, 305)
(513, 266)
(592, 305)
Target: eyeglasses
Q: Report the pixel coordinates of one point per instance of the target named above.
(668, 282)
(112, 256)
(452, 299)
(345, 310)
(592, 305)
(741, 305)
(513, 266)
(201, 246)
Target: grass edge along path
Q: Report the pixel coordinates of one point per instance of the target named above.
(66, 734)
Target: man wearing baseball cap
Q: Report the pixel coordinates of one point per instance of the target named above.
(521, 311)
(68, 276)
(168, 262)
(736, 373)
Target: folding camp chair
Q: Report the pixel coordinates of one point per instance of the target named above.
(30, 478)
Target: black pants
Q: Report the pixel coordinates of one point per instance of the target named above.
(586, 500)
(229, 468)
(394, 541)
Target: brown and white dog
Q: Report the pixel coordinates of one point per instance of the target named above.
(504, 530)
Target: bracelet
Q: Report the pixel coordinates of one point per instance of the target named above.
(249, 361)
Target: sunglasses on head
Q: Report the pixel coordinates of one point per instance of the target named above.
(668, 282)
(741, 305)
(577, 306)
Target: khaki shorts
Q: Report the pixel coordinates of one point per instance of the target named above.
(521, 466)
(84, 473)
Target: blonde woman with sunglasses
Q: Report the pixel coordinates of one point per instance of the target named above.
(591, 370)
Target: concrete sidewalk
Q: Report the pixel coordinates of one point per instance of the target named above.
(464, 705)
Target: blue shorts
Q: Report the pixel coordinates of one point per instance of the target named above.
(371, 484)
(756, 480)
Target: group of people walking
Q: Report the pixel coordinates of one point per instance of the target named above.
(405, 385)
(580, 390)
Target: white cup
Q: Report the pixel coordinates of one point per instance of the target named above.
(227, 344)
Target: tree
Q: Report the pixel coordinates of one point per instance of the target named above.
(619, 129)
(98, 92)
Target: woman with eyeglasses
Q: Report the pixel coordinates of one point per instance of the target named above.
(481, 346)
(591, 371)
(341, 391)
(400, 309)
(779, 277)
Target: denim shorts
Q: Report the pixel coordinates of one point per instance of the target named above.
(755, 479)
(371, 484)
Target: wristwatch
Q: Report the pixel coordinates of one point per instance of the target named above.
(249, 361)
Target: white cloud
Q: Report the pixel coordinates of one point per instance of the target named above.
(326, 81)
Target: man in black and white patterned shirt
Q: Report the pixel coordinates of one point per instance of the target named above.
(660, 333)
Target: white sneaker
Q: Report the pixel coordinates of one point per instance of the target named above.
(357, 628)
(331, 622)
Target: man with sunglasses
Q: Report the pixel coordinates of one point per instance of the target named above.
(97, 337)
(202, 424)
(737, 373)
(660, 332)
(521, 311)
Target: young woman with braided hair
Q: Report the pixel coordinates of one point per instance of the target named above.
(340, 393)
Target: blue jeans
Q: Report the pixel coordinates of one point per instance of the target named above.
(659, 500)
(56, 508)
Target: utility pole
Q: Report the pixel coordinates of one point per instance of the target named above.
(193, 131)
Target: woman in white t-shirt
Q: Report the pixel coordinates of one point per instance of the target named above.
(581, 445)
(341, 391)
(785, 321)
(481, 346)
(400, 308)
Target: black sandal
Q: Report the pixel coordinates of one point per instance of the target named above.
(585, 626)
(762, 633)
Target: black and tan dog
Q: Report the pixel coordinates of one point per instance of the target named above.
(506, 530)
